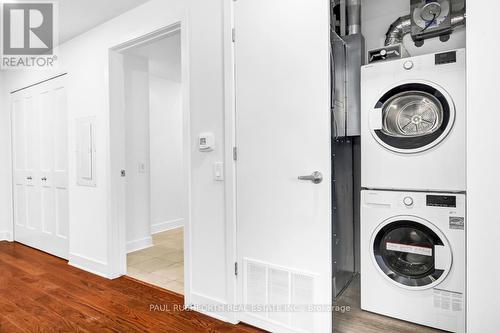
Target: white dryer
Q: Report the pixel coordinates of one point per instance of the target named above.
(414, 123)
(413, 257)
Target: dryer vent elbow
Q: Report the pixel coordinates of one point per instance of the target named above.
(397, 30)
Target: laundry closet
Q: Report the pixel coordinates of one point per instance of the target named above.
(399, 157)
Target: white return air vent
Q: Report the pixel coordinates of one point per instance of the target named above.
(279, 295)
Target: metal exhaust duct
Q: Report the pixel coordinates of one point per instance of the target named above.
(402, 26)
(353, 17)
(398, 29)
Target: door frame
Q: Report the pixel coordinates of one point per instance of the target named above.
(117, 225)
(230, 158)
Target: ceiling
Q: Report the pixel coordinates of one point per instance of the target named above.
(79, 16)
(164, 56)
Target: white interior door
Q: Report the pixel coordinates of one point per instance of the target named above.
(283, 132)
(40, 149)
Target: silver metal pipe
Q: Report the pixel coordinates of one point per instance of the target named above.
(402, 27)
(459, 19)
(353, 17)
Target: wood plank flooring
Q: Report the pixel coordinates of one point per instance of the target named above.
(41, 293)
(358, 321)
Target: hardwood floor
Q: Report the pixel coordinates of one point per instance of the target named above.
(41, 293)
(358, 321)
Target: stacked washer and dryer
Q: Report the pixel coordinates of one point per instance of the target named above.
(413, 199)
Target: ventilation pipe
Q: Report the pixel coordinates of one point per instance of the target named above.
(353, 17)
(402, 26)
(397, 30)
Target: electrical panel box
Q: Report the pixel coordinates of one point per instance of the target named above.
(85, 152)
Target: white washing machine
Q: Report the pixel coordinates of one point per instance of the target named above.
(413, 257)
(413, 123)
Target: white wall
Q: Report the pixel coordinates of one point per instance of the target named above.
(166, 144)
(378, 15)
(87, 61)
(483, 164)
(5, 165)
(137, 213)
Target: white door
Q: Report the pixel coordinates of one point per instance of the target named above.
(40, 149)
(283, 132)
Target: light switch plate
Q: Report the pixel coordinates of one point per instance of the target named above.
(141, 167)
(219, 171)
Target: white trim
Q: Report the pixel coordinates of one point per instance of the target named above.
(139, 244)
(230, 169)
(6, 236)
(166, 226)
(117, 226)
(202, 303)
(90, 265)
(186, 104)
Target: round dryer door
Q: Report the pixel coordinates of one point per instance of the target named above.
(412, 117)
(412, 253)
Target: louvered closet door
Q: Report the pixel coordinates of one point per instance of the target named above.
(40, 127)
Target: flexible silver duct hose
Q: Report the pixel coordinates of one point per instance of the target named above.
(402, 27)
(397, 30)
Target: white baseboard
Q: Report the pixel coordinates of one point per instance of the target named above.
(139, 244)
(167, 225)
(6, 236)
(90, 265)
(204, 304)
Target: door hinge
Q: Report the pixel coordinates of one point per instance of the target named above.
(235, 153)
(236, 269)
(233, 34)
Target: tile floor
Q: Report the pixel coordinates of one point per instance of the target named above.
(163, 264)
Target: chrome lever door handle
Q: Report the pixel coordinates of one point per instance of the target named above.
(316, 177)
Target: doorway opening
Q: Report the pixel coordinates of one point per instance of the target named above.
(149, 152)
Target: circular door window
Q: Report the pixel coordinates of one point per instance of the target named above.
(412, 254)
(414, 117)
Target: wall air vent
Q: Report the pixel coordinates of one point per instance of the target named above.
(279, 295)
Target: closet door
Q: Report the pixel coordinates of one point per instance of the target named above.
(40, 147)
(283, 168)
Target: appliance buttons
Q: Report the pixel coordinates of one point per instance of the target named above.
(408, 65)
(408, 201)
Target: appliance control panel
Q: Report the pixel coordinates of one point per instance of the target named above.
(441, 201)
(446, 58)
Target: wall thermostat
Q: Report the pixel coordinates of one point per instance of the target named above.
(206, 142)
